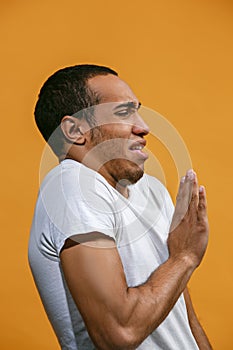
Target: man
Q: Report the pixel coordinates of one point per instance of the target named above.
(109, 273)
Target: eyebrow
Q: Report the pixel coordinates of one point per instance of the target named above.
(129, 104)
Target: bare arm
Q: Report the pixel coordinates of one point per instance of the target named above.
(197, 330)
(119, 317)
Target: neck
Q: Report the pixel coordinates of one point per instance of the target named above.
(123, 190)
(120, 185)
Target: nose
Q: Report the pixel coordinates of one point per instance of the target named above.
(140, 127)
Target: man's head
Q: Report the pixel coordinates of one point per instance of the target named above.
(97, 120)
(64, 93)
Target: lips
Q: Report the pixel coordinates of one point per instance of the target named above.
(138, 144)
(137, 148)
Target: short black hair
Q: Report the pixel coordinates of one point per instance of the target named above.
(65, 93)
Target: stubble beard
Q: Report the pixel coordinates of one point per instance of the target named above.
(124, 171)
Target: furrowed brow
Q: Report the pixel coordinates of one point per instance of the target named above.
(129, 104)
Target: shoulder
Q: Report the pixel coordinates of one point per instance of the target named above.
(77, 200)
(71, 178)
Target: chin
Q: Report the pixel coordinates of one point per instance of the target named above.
(126, 172)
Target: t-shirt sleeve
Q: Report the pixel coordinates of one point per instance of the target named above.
(78, 203)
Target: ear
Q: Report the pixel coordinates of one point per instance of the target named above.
(72, 130)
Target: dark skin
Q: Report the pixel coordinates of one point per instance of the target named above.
(119, 128)
(116, 316)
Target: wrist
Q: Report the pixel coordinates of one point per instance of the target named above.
(186, 261)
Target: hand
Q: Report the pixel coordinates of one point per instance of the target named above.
(188, 235)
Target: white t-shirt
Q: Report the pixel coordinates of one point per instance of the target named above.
(74, 199)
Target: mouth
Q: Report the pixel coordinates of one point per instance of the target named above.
(138, 149)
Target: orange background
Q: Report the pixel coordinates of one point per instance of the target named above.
(178, 57)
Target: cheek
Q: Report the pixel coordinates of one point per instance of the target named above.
(116, 130)
(112, 140)
(116, 147)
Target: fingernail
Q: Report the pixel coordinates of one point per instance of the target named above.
(190, 174)
(201, 189)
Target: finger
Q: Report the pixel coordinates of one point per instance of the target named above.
(183, 198)
(185, 193)
(194, 194)
(202, 205)
(182, 195)
(182, 180)
(190, 180)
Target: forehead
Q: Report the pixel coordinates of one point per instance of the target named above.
(111, 88)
